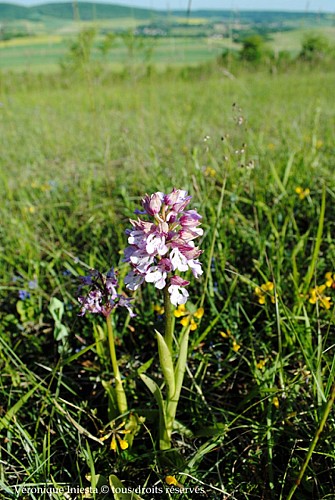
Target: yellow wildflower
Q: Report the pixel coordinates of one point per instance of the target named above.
(330, 280)
(316, 295)
(261, 363)
(187, 317)
(188, 320)
(117, 437)
(199, 313)
(29, 210)
(275, 402)
(158, 309)
(180, 311)
(301, 192)
(210, 172)
(265, 290)
(319, 144)
(172, 481)
(236, 346)
(225, 335)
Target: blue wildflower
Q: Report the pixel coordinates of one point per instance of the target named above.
(23, 294)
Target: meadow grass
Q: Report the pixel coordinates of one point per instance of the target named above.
(75, 161)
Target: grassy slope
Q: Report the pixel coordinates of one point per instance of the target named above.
(12, 12)
(86, 11)
(96, 10)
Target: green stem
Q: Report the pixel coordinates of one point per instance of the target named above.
(168, 333)
(164, 437)
(314, 442)
(212, 247)
(318, 241)
(319, 364)
(172, 403)
(120, 394)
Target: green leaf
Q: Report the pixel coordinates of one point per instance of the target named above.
(203, 450)
(5, 420)
(155, 390)
(61, 333)
(181, 364)
(101, 341)
(166, 363)
(182, 429)
(112, 399)
(179, 377)
(217, 430)
(120, 491)
(79, 427)
(145, 366)
(134, 423)
(56, 309)
(21, 310)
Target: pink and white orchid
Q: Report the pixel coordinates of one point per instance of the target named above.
(164, 244)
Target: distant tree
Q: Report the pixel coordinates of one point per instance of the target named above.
(80, 51)
(314, 47)
(253, 49)
(137, 46)
(81, 48)
(107, 43)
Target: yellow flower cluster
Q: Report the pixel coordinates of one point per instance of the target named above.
(261, 364)
(29, 210)
(210, 172)
(187, 317)
(172, 481)
(42, 187)
(301, 192)
(330, 280)
(117, 434)
(226, 335)
(317, 294)
(159, 309)
(265, 291)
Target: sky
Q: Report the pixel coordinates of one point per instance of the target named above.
(283, 5)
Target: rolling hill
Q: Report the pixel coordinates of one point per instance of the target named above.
(86, 11)
(89, 11)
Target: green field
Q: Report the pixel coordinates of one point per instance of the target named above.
(38, 38)
(45, 57)
(44, 54)
(255, 150)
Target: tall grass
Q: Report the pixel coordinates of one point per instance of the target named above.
(75, 162)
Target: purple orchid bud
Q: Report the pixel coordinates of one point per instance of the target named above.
(177, 280)
(176, 196)
(152, 204)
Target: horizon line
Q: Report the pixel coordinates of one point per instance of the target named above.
(320, 11)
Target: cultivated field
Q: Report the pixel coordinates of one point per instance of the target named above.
(255, 149)
(44, 53)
